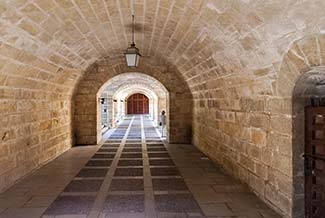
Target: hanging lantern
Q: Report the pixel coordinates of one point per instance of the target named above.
(132, 54)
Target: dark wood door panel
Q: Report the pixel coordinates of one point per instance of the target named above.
(138, 104)
(315, 162)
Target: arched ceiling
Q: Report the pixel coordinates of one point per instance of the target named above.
(203, 38)
(126, 91)
(312, 83)
(134, 80)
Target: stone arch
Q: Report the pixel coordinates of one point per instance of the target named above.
(132, 80)
(158, 99)
(141, 91)
(85, 99)
(297, 75)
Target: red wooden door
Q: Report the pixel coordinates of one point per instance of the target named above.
(138, 104)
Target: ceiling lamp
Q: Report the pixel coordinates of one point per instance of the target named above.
(132, 54)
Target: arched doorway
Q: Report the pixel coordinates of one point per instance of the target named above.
(138, 104)
(120, 88)
(309, 153)
(171, 97)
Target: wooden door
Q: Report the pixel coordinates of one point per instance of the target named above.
(138, 104)
(315, 162)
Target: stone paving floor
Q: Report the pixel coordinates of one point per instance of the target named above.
(133, 174)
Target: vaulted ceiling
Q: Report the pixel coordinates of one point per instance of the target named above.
(202, 38)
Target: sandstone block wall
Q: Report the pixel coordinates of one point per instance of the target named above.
(35, 112)
(253, 136)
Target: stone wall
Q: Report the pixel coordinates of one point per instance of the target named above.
(35, 112)
(251, 135)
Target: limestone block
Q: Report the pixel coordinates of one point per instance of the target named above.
(309, 47)
(282, 163)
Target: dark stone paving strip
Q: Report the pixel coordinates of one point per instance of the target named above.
(153, 155)
(130, 163)
(83, 186)
(99, 163)
(113, 141)
(103, 149)
(131, 155)
(155, 145)
(169, 185)
(132, 150)
(110, 146)
(133, 141)
(124, 204)
(126, 185)
(103, 156)
(158, 148)
(132, 145)
(165, 171)
(76, 205)
(92, 172)
(128, 172)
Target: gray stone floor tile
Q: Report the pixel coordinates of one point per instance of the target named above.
(164, 171)
(23, 212)
(216, 209)
(206, 189)
(130, 163)
(131, 155)
(176, 203)
(156, 149)
(84, 185)
(124, 204)
(104, 149)
(92, 172)
(159, 155)
(211, 197)
(132, 141)
(132, 150)
(128, 172)
(40, 201)
(155, 145)
(13, 201)
(103, 156)
(124, 215)
(201, 181)
(126, 185)
(110, 146)
(168, 184)
(133, 145)
(99, 163)
(73, 205)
